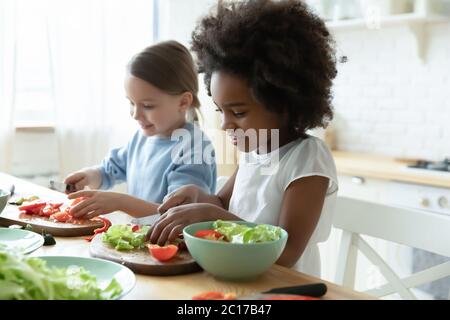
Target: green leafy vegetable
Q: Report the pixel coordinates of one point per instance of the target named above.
(122, 237)
(239, 233)
(27, 278)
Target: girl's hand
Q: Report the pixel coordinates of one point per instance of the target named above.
(97, 203)
(170, 225)
(90, 177)
(184, 195)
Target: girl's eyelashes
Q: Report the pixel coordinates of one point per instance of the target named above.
(148, 107)
(236, 114)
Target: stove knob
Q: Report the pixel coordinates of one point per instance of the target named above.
(443, 202)
(424, 202)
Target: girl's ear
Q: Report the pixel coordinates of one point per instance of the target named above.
(186, 101)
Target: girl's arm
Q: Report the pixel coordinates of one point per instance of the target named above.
(103, 202)
(193, 194)
(300, 212)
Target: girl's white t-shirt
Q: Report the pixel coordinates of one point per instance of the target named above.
(262, 179)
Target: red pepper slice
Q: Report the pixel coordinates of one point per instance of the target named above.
(106, 225)
(135, 228)
(209, 234)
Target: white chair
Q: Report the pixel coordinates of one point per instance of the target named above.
(414, 228)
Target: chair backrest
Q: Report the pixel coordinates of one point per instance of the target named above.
(413, 228)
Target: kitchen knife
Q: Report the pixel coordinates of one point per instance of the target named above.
(61, 187)
(315, 290)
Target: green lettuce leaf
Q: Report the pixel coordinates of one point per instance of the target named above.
(27, 278)
(122, 237)
(239, 233)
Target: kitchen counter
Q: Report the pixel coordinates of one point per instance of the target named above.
(182, 286)
(387, 168)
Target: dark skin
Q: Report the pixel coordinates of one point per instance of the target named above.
(302, 201)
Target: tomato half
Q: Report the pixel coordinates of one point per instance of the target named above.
(162, 253)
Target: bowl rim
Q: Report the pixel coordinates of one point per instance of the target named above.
(284, 234)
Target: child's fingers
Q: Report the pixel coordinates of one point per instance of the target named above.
(149, 233)
(79, 209)
(158, 227)
(176, 232)
(81, 184)
(82, 213)
(83, 193)
(74, 178)
(171, 202)
(93, 214)
(165, 233)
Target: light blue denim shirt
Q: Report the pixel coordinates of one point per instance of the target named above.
(155, 166)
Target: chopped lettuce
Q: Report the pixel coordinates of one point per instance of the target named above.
(29, 278)
(122, 237)
(239, 233)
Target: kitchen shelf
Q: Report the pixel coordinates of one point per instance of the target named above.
(394, 20)
(414, 21)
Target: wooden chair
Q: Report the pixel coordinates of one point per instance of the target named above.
(414, 228)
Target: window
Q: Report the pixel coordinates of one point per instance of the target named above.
(33, 87)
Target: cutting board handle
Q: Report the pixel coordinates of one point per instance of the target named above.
(312, 290)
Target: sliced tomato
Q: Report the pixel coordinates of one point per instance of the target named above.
(63, 216)
(209, 234)
(135, 228)
(214, 295)
(162, 253)
(48, 210)
(55, 205)
(33, 206)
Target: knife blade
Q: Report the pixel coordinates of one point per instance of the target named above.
(61, 187)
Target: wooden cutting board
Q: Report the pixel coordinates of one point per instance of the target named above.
(141, 262)
(11, 215)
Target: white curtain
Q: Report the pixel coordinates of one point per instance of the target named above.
(7, 81)
(91, 42)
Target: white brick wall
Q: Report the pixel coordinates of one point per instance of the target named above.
(387, 101)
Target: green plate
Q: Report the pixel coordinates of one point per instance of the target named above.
(22, 240)
(104, 270)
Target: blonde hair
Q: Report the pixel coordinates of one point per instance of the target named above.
(169, 66)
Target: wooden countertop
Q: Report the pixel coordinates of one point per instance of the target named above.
(182, 286)
(186, 286)
(380, 167)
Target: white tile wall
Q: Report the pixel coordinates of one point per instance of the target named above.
(387, 100)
